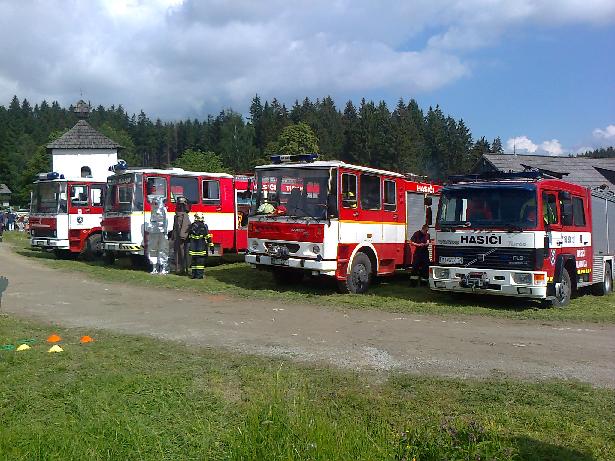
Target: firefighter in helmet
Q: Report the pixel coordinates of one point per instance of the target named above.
(199, 246)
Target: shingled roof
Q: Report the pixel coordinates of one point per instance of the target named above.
(588, 172)
(83, 136)
(4, 189)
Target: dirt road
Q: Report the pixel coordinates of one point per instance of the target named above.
(358, 339)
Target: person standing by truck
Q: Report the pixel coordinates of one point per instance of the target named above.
(158, 244)
(199, 246)
(179, 235)
(420, 258)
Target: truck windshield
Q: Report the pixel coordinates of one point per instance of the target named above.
(296, 192)
(49, 198)
(506, 207)
(124, 193)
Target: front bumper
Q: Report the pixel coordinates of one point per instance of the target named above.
(488, 281)
(125, 247)
(47, 243)
(322, 267)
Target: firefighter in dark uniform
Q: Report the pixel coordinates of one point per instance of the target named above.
(420, 260)
(179, 235)
(199, 246)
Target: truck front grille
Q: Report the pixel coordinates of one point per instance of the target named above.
(43, 232)
(491, 258)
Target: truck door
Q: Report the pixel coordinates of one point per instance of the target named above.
(349, 208)
(553, 228)
(79, 207)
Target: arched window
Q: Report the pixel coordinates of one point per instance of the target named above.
(86, 172)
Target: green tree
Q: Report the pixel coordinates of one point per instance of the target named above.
(236, 142)
(197, 160)
(295, 139)
(496, 146)
(120, 136)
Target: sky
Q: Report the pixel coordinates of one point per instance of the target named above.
(538, 74)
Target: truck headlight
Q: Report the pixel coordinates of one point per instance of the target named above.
(441, 273)
(522, 278)
(255, 245)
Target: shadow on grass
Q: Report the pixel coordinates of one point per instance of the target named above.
(389, 289)
(529, 449)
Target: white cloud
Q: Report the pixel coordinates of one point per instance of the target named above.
(175, 58)
(607, 134)
(521, 143)
(524, 145)
(552, 147)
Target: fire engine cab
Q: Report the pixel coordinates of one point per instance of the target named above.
(335, 219)
(222, 199)
(527, 234)
(65, 215)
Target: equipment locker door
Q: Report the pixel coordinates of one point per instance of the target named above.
(415, 213)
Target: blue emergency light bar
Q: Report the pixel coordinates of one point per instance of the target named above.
(119, 167)
(50, 176)
(295, 158)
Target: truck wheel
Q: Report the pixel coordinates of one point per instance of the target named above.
(288, 276)
(92, 248)
(108, 258)
(606, 286)
(360, 276)
(563, 298)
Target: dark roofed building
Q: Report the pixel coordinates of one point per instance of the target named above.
(585, 171)
(83, 136)
(83, 152)
(5, 195)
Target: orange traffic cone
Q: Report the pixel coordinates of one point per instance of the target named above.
(54, 338)
(86, 339)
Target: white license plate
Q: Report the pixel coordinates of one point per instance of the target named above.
(279, 262)
(451, 260)
(40, 242)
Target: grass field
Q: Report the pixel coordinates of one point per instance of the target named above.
(238, 279)
(124, 397)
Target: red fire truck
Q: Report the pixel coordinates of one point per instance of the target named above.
(65, 215)
(526, 234)
(331, 218)
(221, 198)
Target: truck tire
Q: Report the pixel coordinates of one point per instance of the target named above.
(606, 286)
(360, 276)
(563, 298)
(288, 276)
(92, 248)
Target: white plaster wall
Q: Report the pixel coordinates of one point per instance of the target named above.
(69, 162)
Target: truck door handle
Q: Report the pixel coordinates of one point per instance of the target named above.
(560, 243)
(355, 214)
(218, 208)
(395, 216)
